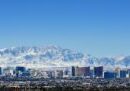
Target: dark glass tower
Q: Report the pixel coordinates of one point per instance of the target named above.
(98, 72)
(73, 71)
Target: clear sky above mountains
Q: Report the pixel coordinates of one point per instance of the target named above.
(98, 27)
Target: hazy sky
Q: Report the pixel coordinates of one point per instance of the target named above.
(97, 27)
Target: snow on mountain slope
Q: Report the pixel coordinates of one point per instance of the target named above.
(39, 56)
(54, 56)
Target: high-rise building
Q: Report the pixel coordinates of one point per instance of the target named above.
(91, 73)
(98, 72)
(87, 71)
(73, 71)
(0, 71)
(117, 70)
(83, 71)
(58, 73)
(66, 73)
(19, 70)
(128, 73)
(51, 74)
(26, 73)
(123, 73)
(8, 71)
(109, 75)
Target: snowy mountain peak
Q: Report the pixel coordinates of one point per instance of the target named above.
(55, 56)
(46, 56)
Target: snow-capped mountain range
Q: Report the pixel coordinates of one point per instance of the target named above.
(53, 56)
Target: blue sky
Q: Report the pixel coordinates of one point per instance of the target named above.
(98, 27)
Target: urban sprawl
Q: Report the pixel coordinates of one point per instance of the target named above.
(64, 72)
(64, 78)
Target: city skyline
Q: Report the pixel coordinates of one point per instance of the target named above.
(99, 28)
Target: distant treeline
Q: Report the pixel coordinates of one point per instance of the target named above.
(62, 89)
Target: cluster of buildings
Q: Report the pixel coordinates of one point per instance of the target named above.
(99, 72)
(14, 71)
(65, 72)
